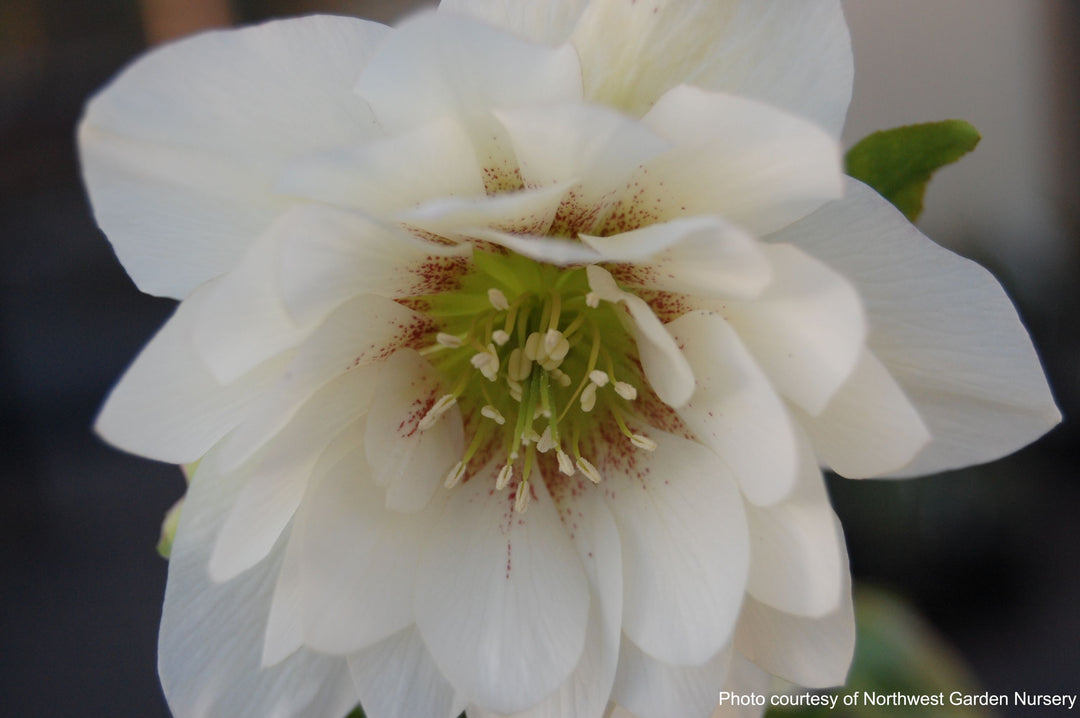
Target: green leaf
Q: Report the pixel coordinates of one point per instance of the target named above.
(898, 163)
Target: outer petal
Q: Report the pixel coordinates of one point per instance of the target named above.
(397, 677)
(281, 472)
(685, 546)
(168, 406)
(794, 55)
(743, 678)
(484, 599)
(665, 367)
(806, 330)
(653, 689)
(178, 152)
(942, 326)
(539, 20)
(758, 166)
(211, 634)
(734, 409)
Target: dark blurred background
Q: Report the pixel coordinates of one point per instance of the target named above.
(988, 555)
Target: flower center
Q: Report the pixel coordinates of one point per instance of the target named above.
(536, 363)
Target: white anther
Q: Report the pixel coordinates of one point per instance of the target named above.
(643, 442)
(565, 464)
(600, 378)
(500, 337)
(592, 299)
(521, 498)
(454, 475)
(505, 474)
(555, 349)
(546, 443)
(533, 345)
(448, 340)
(498, 299)
(562, 377)
(589, 470)
(490, 412)
(588, 398)
(487, 362)
(529, 436)
(626, 391)
(437, 409)
(515, 389)
(518, 366)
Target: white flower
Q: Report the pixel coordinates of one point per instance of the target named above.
(593, 266)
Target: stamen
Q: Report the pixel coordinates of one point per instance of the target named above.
(592, 299)
(589, 470)
(490, 412)
(437, 409)
(566, 466)
(487, 362)
(643, 442)
(598, 377)
(515, 389)
(626, 391)
(588, 398)
(521, 499)
(454, 475)
(505, 474)
(500, 337)
(546, 443)
(562, 377)
(448, 340)
(518, 366)
(498, 299)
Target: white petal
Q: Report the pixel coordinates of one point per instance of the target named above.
(329, 256)
(398, 678)
(526, 212)
(179, 150)
(734, 409)
(796, 547)
(382, 176)
(281, 472)
(703, 256)
(357, 560)
(448, 64)
(869, 428)
(409, 461)
(806, 330)
(650, 688)
(212, 634)
(356, 337)
(550, 250)
(538, 20)
(796, 56)
(484, 597)
(168, 406)
(666, 368)
(942, 326)
(757, 166)
(685, 546)
(284, 624)
(812, 652)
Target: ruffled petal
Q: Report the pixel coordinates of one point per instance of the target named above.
(665, 367)
(484, 596)
(686, 549)
(756, 166)
(797, 554)
(806, 330)
(812, 652)
(547, 21)
(168, 406)
(280, 474)
(650, 688)
(943, 328)
(409, 460)
(526, 212)
(869, 428)
(397, 678)
(702, 256)
(796, 56)
(735, 410)
(209, 648)
(179, 150)
(357, 560)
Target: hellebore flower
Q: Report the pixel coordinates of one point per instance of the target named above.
(511, 342)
